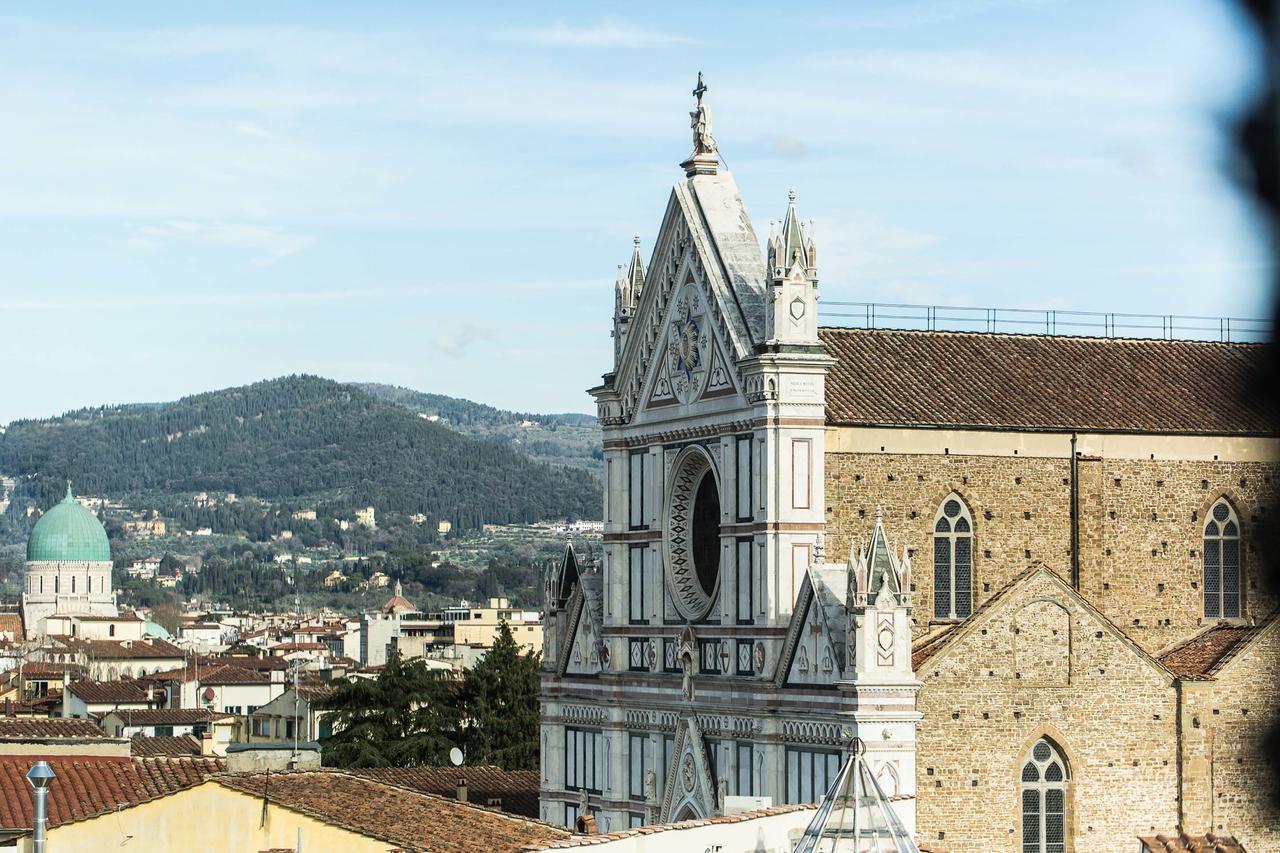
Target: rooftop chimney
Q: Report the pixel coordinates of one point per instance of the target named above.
(40, 776)
(462, 789)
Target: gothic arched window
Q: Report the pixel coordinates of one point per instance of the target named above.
(1044, 800)
(1222, 563)
(952, 560)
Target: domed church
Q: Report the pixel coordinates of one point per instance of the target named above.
(68, 568)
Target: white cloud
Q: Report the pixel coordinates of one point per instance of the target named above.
(455, 341)
(596, 35)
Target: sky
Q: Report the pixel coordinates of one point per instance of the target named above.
(196, 196)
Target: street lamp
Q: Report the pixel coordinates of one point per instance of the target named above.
(40, 776)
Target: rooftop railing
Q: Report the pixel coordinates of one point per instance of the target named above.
(955, 318)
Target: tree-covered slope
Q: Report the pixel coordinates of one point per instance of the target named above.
(558, 439)
(290, 439)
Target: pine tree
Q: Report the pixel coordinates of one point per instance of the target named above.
(500, 698)
(406, 717)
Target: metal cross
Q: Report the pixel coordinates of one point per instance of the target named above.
(699, 89)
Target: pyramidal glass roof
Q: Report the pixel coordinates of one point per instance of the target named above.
(855, 816)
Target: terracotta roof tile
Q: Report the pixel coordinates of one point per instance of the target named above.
(1207, 652)
(149, 648)
(1183, 843)
(168, 716)
(964, 379)
(515, 790)
(86, 786)
(11, 623)
(395, 814)
(111, 691)
(48, 727)
(171, 746)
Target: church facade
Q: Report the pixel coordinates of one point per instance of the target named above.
(1018, 573)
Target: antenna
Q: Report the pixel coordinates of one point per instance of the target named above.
(455, 757)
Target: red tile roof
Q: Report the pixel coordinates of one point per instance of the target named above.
(86, 786)
(964, 379)
(150, 648)
(515, 791)
(43, 728)
(112, 691)
(11, 623)
(164, 746)
(394, 814)
(1183, 843)
(168, 716)
(1202, 656)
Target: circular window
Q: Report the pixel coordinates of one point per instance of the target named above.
(693, 535)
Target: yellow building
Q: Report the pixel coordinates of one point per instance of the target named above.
(478, 626)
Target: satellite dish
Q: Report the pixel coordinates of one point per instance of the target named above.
(455, 755)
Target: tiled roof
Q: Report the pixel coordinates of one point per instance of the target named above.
(398, 815)
(516, 790)
(43, 669)
(965, 379)
(1183, 843)
(110, 691)
(11, 623)
(601, 838)
(164, 746)
(230, 674)
(48, 727)
(146, 649)
(86, 786)
(1207, 652)
(168, 716)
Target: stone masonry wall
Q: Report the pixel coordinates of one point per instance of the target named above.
(1226, 780)
(1021, 513)
(1114, 718)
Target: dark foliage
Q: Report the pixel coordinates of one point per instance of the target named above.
(500, 697)
(406, 717)
(293, 440)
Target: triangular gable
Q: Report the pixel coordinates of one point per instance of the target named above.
(939, 646)
(580, 655)
(706, 242)
(689, 792)
(814, 650)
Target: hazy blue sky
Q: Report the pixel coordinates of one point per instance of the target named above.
(437, 196)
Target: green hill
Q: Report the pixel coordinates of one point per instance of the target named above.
(296, 441)
(558, 439)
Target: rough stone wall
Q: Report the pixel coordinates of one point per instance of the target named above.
(1149, 575)
(1115, 721)
(1226, 780)
(1025, 499)
(1021, 508)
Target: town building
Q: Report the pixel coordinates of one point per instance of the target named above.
(68, 567)
(1020, 572)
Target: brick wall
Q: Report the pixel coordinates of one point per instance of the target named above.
(1114, 719)
(1021, 512)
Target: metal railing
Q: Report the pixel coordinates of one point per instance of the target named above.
(955, 318)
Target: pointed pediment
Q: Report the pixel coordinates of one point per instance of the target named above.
(689, 792)
(702, 307)
(585, 652)
(814, 652)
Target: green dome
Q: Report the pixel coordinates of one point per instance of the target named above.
(68, 531)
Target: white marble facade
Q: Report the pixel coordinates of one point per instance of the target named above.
(712, 650)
